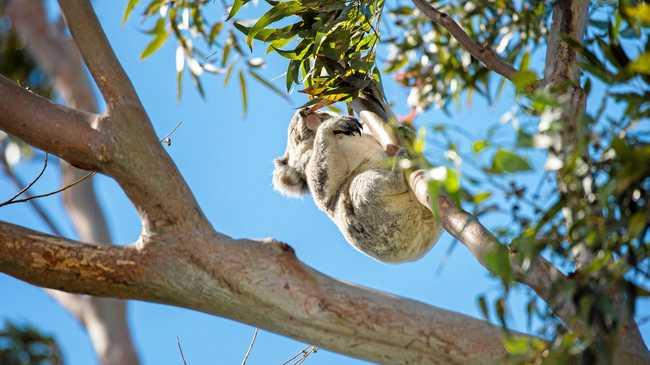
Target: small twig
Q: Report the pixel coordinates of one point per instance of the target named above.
(486, 55)
(301, 356)
(14, 199)
(250, 347)
(180, 349)
(44, 195)
(40, 211)
(443, 261)
(167, 138)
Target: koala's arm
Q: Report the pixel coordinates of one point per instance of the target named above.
(328, 166)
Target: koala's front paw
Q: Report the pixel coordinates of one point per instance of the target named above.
(348, 126)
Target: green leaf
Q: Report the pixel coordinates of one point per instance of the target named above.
(226, 77)
(161, 35)
(199, 85)
(179, 84)
(268, 84)
(479, 145)
(525, 61)
(129, 8)
(481, 197)
(506, 161)
(497, 260)
(433, 188)
(524, 140)
(641, 12)
(452, 181)
(523, 79)
(517, 345)
(292, 73)
(500, 307)
(244, 93)
(482, 304)
(236, 5)
(641, 64)
(298, 53)
(637, 224)
(214, 32)
(278, 12)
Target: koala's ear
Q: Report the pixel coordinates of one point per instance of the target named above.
(288, 180)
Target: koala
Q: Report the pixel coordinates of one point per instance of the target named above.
(347, 174)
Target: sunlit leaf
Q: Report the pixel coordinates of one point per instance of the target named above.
(497, 260)
(482, 304)
(452, 181)
(161, 35)
(278, 12)
(481, 197)
(234, 9)
(479, 145)
(129, 8)
(244, 92)
(506, 161)
(641, 64)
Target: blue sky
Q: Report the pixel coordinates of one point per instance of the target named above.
(227, 161)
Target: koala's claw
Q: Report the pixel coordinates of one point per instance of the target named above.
(348, 126)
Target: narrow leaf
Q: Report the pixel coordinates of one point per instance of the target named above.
(158, 40)
(268, 84)
(129, 8)
(236, 5)
(244, 93)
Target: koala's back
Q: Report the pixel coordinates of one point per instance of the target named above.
(380, 216)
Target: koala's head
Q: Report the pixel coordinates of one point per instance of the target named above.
(289, 174)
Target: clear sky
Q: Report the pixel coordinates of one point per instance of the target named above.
(227, 161)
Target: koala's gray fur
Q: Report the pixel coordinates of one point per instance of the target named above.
(346, 172)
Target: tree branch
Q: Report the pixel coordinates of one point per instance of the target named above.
(69, 134)
(487, 56)
(569, 20)
(107, 71)
(260, 283)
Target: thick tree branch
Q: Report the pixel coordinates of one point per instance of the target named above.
(68, 134)
(482, 53)
(263, 284)
(107, 71)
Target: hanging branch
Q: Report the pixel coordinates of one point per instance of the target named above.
(482, 53)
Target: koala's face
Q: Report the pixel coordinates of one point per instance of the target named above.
(289, 174)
